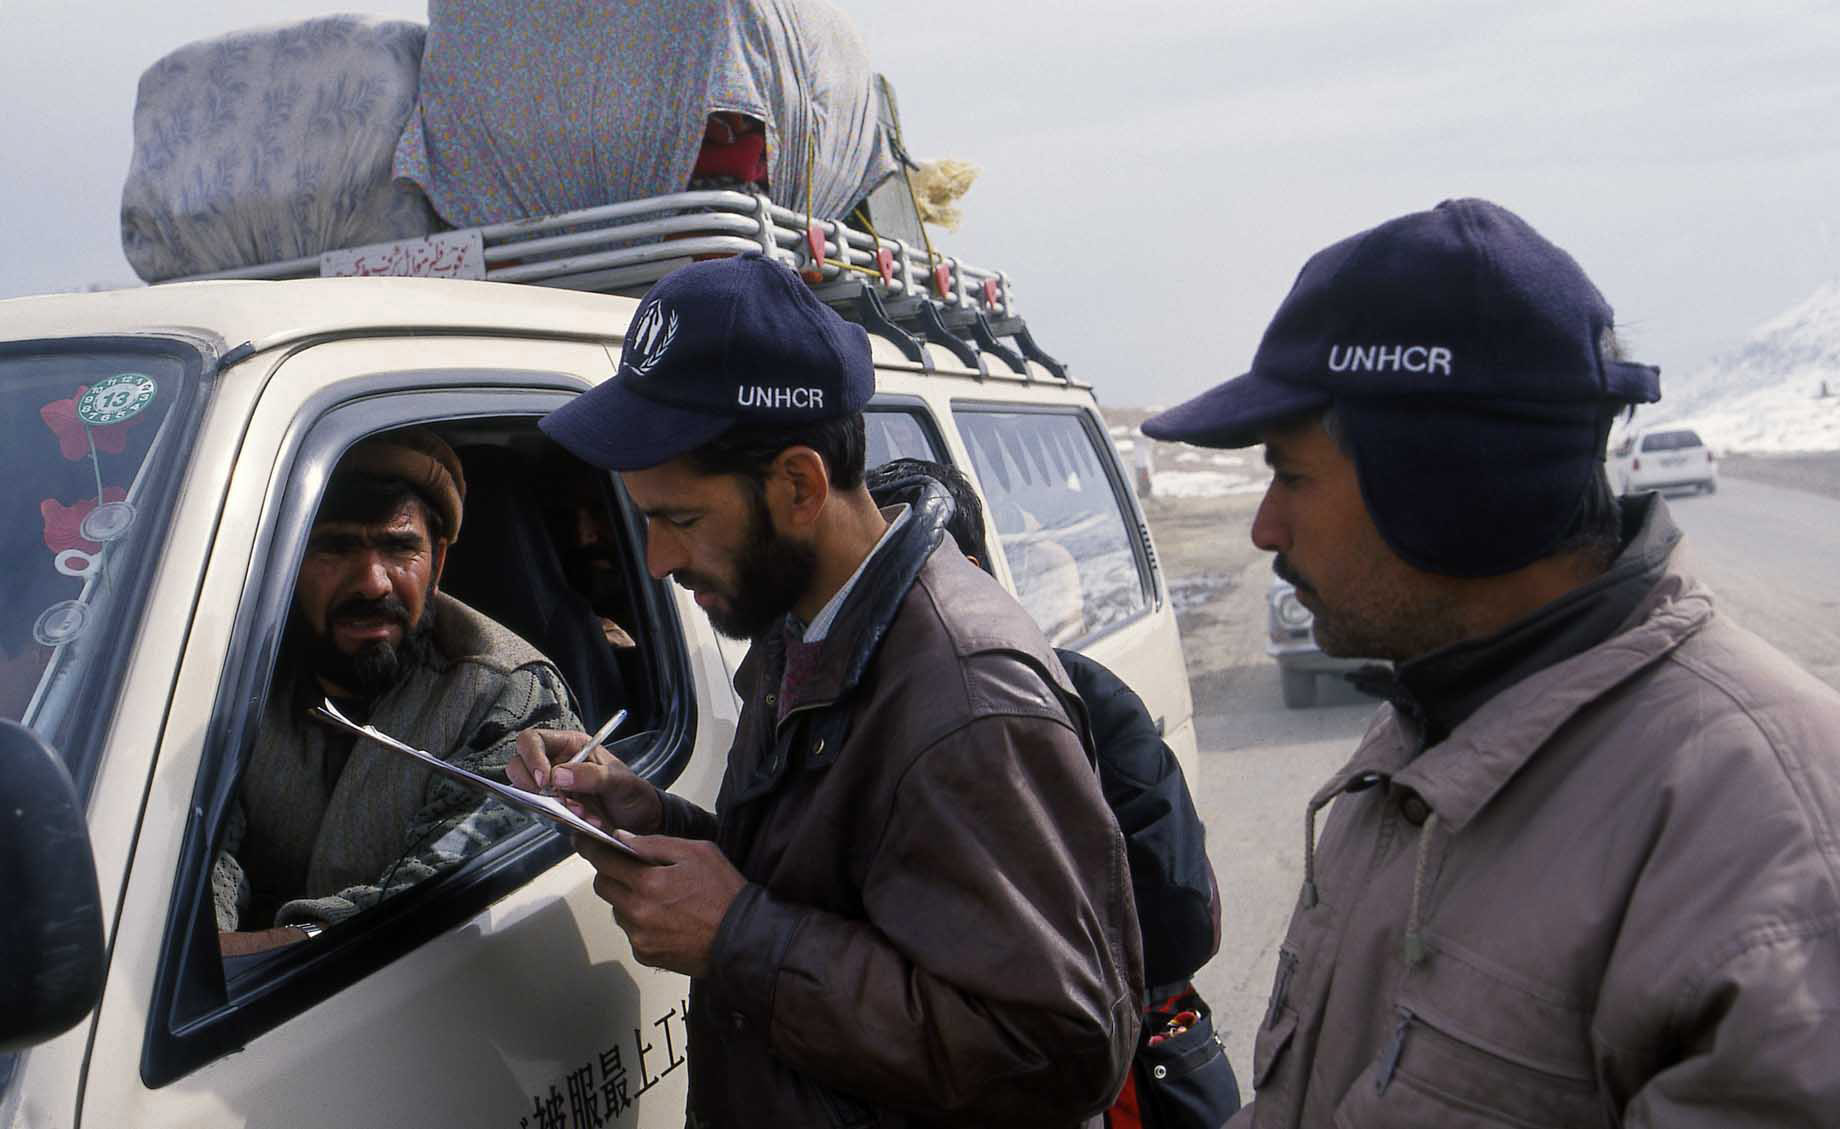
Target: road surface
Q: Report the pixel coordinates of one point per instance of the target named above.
(1771, 556)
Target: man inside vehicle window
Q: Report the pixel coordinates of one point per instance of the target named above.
(911, 905)
(1582, 870)
(326, 825)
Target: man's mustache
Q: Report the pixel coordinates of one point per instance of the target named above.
(1289, 574)
(359, 608)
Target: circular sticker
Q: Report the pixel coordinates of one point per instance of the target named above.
(107, 521)
(116, 399)
(76, 562)
(61, 622)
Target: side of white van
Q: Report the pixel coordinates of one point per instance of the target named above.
(140, 645)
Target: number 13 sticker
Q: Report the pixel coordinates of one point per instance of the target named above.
(117, 399)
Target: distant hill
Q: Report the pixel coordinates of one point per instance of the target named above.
(1764, 397)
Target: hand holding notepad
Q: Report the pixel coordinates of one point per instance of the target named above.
(535, 803)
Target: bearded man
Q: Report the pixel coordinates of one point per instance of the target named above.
(326, 826)
(910, 906)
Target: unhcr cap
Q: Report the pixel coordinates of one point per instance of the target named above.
(1472, 366)
(738, 341)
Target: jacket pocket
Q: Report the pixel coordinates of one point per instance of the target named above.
(1437, 1072)
(1279, 1022)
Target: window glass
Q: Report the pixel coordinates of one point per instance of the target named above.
(1670, 441)
(897, 434)
(1057, 512)
(82, 429)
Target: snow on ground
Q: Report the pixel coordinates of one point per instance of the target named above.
(1206, 483)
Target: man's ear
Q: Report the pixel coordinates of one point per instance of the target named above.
(798, 484)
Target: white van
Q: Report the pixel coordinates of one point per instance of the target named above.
(139, 638)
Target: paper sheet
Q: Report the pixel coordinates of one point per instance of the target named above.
(535, 803)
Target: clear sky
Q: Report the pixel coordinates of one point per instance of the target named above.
(1155, 173)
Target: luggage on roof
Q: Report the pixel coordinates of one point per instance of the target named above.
(535, 107)
(272, 144)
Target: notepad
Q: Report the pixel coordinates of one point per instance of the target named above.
(548, 807)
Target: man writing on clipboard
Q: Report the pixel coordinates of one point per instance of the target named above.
(911, 905)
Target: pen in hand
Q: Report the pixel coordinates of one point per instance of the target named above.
(600, 735)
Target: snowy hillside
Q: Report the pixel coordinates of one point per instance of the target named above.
(1764, 396)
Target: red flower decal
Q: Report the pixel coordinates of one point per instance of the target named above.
(64, 524)
(61, 417)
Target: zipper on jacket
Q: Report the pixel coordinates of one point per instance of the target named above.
(1389, 1054)
(1287, 967)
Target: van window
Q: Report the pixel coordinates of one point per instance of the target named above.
(1679, 440)
(1059, 510)
(91, 435)
(899, 433)
(542, 616)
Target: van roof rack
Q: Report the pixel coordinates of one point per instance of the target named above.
(907, 295)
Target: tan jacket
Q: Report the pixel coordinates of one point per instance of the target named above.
(938, 925)
(1610, 897)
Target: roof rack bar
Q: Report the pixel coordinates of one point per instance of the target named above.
(1026, 342)
(924, 315)
(763, 223)
(305, 267)
(647, 253)
(718, 199)
(709, 223)
(857, 300)
(967, 310)
(986, 338)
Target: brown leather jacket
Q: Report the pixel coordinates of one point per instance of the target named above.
(1610, 897)
(938, 926)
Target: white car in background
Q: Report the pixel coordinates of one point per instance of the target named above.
(1663, 458)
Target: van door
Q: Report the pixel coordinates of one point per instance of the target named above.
(497, 994)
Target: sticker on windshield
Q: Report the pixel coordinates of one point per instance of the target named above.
(61, 623)
(117, 399)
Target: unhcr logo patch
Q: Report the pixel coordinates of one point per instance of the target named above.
(1389, 358)
(650, 338)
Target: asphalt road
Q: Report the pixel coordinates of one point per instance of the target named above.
(1768, 553)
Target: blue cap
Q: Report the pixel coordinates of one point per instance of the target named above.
(1464, 303)
(737, 341)
(1469, 360)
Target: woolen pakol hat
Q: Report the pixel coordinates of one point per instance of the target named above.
(1469, 361)
(738, 341)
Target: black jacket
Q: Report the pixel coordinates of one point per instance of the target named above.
(1178, 903)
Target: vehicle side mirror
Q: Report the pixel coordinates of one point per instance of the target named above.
(51, 932)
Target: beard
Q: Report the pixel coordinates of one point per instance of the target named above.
(771, 573)
(376, 667)
(1383, 617)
